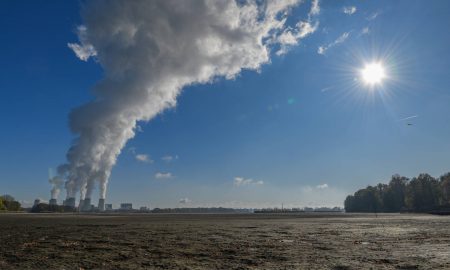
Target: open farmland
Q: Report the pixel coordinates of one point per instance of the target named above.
(250, 241)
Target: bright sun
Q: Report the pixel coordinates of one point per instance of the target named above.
(373, 74)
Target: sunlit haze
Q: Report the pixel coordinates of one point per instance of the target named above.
(373, 73)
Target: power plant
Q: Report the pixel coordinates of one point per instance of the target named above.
(81, 204)
(36, 202)
(53, 202)
(86, 207)
(69, 202)
(126, 206)
(101, 204)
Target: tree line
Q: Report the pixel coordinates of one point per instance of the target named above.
(423, 193)
(8, 203)
(45, 207)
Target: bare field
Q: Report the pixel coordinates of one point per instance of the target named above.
(246, 241)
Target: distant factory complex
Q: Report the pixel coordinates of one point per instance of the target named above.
(87, 206)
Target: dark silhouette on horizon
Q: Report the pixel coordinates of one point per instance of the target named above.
(423, 193)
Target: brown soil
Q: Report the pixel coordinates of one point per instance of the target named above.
(258, 241)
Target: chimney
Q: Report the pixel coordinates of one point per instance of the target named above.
(70, 202)
(36, 202)
(86, 205)
(81, 205)
(52, 202)
(101, 204)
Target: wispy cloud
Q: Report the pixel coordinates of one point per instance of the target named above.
(315, 8)
(349, 10)
(163, 176)
(85, 50)
(169, 158)
(322, 186)
(341, 39)
(373, 16)
(365, 30)
(82, 52)
(241, 181)
(143, 158)
(325, 89)
(291, 36)
(408, 118)
(184, 201)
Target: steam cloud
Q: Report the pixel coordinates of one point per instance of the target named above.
(149, 51)
(57, 183)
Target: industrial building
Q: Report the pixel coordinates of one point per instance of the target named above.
(126, 206)
(36, 202)
(101, 205)
(85, 205)
(53, 202)
(69, 202)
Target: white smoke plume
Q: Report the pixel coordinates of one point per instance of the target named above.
(57, 183)
(149, 51)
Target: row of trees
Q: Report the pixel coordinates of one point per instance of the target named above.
(45, 207)
(8, 203)
(420, 194)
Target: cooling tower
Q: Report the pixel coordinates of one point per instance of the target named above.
(70, 202)
(101, 204)
(81, 205)
(36, 202)
(86, 205)
(52, 202)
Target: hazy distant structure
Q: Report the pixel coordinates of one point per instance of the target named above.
(53, 202)
(86, 205)
(126, 206)
(36, 202)
(101, 204)
(108, 207)
(69, 202)
(81, 204)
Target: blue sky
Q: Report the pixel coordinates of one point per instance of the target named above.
(303, 121)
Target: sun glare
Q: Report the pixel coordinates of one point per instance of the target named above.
(373, 74)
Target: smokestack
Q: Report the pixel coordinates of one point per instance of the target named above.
(81, 205)
(36, 202)
(210, 39)
(70, 202)
(101, 204)
(53, 202)
(86, 205)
